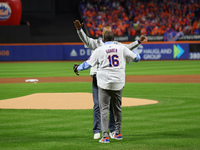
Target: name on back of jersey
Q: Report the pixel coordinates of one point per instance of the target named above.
(112, 50)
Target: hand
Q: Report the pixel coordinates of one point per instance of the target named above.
(143, 39)
(75, 69)
(77, 24)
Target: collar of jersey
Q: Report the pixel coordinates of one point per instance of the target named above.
(109, 42)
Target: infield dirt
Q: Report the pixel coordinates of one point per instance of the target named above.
(135, 78)
(70, 100)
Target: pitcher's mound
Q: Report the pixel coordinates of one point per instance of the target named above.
(62, 101)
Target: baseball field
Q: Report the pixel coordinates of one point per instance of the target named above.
(171, 124)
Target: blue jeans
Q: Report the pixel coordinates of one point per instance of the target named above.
(96, 110)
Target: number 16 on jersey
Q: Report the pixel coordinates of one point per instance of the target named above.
(113, 60)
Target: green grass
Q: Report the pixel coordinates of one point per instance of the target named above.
(172, 124)
(38, 69)
(163, 68)
(62, 69)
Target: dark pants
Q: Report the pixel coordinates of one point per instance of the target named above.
(96, 110)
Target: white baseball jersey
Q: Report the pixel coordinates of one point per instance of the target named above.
(111, 59)
(92, 44)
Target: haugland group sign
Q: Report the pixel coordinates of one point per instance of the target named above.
(163, 51)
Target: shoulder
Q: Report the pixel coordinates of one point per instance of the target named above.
(103, 45)
(98, 49)
(100, 42)
(121, 45)
(117, 43)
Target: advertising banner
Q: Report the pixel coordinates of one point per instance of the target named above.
(193, 37)
(195, 51)
(34, 52)
(76, 52)
(43, 52)
(163, 51)
(31, 52)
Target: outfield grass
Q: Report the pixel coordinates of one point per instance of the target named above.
(171, 124)
(62, 69)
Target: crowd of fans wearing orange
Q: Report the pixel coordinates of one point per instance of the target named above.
(134, 17)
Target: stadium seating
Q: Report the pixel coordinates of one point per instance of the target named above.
(149, 17)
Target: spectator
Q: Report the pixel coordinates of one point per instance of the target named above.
(152, 17)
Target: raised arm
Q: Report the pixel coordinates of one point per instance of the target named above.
(135, 44)
(89, 42)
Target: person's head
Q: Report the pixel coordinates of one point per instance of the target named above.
(108, 36)
(107, 28)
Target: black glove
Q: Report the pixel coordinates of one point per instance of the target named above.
(75, 69)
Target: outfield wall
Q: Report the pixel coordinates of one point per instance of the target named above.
(77, 51)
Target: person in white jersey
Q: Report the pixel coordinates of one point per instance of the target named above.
(92, 44)
(111, 59)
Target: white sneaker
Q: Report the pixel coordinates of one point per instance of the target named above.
(97, 136)
(112, 135)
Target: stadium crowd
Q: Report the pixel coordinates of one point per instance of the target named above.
(149, 17)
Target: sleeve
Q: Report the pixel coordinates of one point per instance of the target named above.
(89, 42)
(132, 45)
(130, 56)
(93, 58)
(89, 63)
(137, 57)
(83, 66)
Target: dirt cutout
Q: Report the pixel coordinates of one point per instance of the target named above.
(62, 101)
(135, 78)
(82, 100)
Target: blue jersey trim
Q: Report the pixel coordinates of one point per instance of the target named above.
(109, 42)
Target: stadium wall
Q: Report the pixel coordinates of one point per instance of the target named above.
(77, 51)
